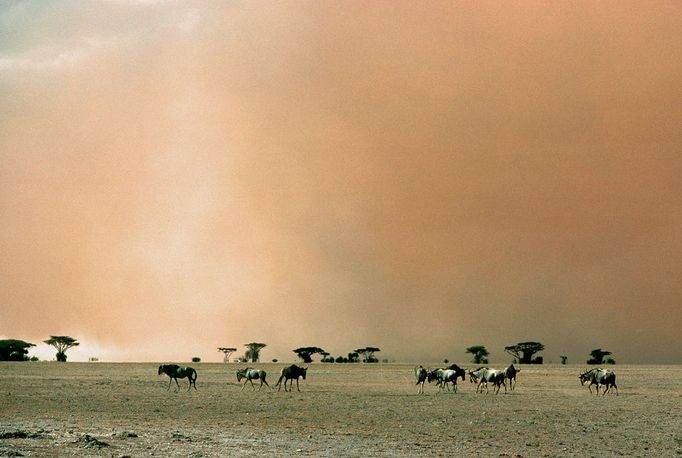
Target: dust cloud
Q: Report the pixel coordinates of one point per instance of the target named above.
(178, 176)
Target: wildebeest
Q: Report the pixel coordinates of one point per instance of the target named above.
(174, 372)
(445, 376)
(510, 373)
(420, 373)
(289, 374)
(485, 375)
(251, 374)
(599, 377)
(458, 370)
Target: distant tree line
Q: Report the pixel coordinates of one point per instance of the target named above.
(524, 353)
(365, 355)
(17, 350)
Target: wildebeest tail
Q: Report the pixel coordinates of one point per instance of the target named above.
(281, 376)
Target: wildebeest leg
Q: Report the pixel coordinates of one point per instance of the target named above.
(170, 380)
(299, 389)
(605, 389)
(266, 383)
(244, 385)
(178, 385)
(253, 387)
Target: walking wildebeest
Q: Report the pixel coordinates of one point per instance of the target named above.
(599, 376)
(250, 375)
(445, 376)
(485, 375)
(420, 373)
(510, 373)
(174, 372)
(458, 370)
(289, 374)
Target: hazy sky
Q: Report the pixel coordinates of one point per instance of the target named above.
(178, 176)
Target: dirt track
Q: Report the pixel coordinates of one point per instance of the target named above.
(98, 409)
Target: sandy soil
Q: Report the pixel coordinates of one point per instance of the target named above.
(98, 409)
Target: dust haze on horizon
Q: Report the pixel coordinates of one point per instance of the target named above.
(178, 176)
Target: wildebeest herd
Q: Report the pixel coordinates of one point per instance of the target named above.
(443, 377)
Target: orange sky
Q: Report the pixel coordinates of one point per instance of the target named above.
(178, 176)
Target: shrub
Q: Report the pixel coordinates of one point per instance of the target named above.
(196, 359)
(274, 360)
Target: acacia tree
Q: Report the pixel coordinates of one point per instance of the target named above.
(227, 351)
(62, 343)
(253, 351)
(306, 353)
(14, 350)
(480, 354)
(524, 351)
(368, 354)
(597, 357)
(326, 357)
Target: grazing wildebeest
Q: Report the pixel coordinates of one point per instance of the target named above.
(288, 374)
(174, 372)
(599, 377)
(510, 373)
(485, 375)
(420, 373)
(250, 375)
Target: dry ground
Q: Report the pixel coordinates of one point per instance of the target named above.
(99, 409)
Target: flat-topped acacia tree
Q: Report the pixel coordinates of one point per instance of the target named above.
(306, 353)
(368, 354)
(227, 351)
(597, 357)
(62, 343)
(253, 351)
(480, 354)
(524, 351)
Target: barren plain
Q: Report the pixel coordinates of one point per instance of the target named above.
(122, 409)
